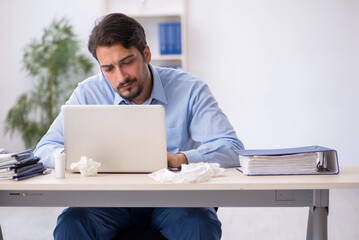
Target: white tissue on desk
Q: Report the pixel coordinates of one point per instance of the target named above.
(190, 173)
(86, 166)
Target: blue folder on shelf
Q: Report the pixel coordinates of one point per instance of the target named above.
(170, 38)
(289, 161)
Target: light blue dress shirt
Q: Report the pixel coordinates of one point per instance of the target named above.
(195, 125)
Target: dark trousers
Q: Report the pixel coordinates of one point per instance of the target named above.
(106, 223)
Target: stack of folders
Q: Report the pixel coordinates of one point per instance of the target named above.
(289, 161)
(20, 166)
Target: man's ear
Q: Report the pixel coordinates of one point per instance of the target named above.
(147, 54)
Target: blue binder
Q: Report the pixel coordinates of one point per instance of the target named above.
(177, 38)
(327, 165)
(163, 29)
(170, 38)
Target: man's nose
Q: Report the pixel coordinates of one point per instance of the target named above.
(121, 75)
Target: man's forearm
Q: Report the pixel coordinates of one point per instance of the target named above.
(223, 151)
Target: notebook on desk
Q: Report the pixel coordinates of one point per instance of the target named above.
(123, 138)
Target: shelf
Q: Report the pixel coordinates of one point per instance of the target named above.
(145, 8)
(150, 14)
(170, 57)
(159, 15)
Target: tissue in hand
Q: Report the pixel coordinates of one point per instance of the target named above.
(86, 166)
(190, 173)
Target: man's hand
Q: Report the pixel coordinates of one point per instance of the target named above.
(175, 160)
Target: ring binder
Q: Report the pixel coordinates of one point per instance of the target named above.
(308, 160)
(321, 165)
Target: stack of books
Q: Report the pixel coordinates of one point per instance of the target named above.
(170, 38)
(298, 161)
(20, 166)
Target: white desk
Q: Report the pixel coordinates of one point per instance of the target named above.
(139, 190)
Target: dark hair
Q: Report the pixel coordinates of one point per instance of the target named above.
(117, 28)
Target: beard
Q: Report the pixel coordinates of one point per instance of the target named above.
(130, 95)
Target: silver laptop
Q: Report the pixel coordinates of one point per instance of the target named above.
(123, 138)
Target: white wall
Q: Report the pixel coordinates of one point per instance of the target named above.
(285, 72)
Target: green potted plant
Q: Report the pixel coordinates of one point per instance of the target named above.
(56, 64)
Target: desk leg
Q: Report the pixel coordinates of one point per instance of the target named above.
(1, 237)
(318, 216)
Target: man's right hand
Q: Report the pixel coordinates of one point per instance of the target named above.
(176, 160)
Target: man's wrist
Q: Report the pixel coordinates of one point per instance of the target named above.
(182, 158)
(175, 160)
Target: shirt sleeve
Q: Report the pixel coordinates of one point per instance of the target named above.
(53, 141)
(209, 126)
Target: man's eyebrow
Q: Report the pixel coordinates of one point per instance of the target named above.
(129, 56)
(123, 59)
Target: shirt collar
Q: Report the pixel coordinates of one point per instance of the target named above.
(158, 93)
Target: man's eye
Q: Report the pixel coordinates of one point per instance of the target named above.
(127, 62)
(108, 69)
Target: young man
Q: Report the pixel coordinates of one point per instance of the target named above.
(197, 131)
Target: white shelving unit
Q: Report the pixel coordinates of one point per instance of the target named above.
(150, 13)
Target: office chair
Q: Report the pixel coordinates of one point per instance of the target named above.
(148, 234)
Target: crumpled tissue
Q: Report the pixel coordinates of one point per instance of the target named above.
(86, 166)
(190, 173)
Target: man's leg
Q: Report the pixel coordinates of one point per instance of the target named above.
(92, 223)
(187, 223)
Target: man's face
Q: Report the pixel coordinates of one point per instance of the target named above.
(127, 71)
